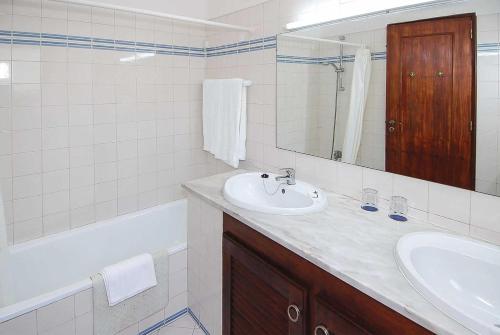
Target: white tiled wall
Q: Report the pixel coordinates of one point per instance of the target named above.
(205, 263)
(89, 134)
(488, 107)
(74, 315)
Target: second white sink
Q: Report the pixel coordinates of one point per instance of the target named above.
(459, 276)
(266, 195)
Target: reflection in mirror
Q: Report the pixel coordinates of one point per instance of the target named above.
(397, 92)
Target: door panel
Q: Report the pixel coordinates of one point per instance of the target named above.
(329, 321)
(430, 93)
(257, 297)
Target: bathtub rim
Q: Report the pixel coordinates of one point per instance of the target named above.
(28, 305)
(25, 306)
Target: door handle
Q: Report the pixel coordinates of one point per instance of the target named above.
(293, 313)
(321, 330)
(392, 126)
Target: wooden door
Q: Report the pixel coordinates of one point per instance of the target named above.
(257, 298)
(431, 100)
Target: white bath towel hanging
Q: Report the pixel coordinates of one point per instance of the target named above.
(359, 94)
(128, 278)
(225, 119)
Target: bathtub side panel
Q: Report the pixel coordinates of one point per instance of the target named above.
(73, 315)
(59, 317)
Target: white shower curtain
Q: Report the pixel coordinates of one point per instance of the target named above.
(359, 93)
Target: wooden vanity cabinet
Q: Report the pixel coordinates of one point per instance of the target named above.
(269, 290)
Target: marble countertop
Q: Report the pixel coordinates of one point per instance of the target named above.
(351, 244)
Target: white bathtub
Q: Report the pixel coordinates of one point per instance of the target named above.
(37, 273)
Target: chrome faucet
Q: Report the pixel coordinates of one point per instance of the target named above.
(290, 176)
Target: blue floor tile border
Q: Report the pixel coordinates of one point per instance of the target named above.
(198, 322)
(172, 318)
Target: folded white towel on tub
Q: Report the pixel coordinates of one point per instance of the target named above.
(129, 278)
(110, 320)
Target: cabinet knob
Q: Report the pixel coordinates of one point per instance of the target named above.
(321, 330)
(293, 313)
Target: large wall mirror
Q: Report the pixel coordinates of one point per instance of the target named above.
(413, 91)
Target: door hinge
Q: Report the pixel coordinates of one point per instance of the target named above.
(471, 33)
(471, 125)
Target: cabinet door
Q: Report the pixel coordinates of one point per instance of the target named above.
(328, 321)
(257, 297)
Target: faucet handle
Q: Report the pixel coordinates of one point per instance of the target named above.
(290, 176)
(289, 171)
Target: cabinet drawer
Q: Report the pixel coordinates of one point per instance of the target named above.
(329, 321)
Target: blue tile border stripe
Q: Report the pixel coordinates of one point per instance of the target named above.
(381, 55)
(172, 318)
(264, 43)
(86, 42)
(72, 41)
(242, 47)
(322, 60)
(487, 48)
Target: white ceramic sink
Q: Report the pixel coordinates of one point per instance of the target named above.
(459, 276)
(266, 195)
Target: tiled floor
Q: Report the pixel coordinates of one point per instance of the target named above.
(185, 325)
